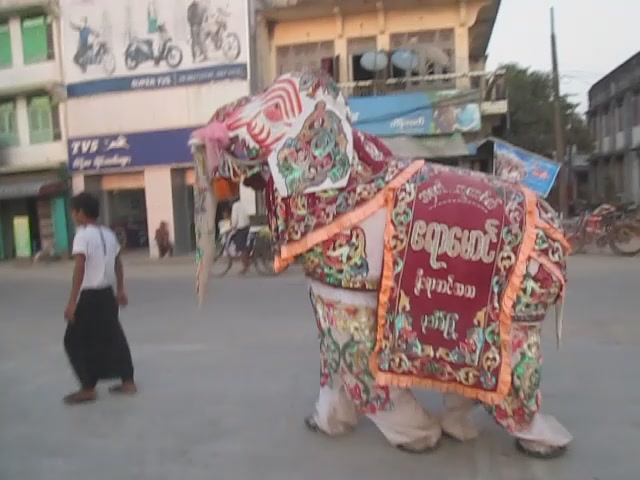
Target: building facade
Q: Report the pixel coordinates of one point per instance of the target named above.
(414, 71)
(614, 119)
(141, 76)
(33, 178)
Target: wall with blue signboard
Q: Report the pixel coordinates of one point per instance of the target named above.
(129, 150)
(121, 45)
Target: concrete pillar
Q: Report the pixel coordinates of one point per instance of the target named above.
(159, 199)
(15, 29)
(634, 176)
(77, 183)
(461, 52)
(383, 41)
(271, 72)
(262, 51)
(105, 207)
(340, 49)
(181, 212)
(22, 121)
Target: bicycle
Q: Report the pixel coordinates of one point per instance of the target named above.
(260, 252)
(615, 226)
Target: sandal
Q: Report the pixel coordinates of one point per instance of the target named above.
(553, 452)
(311, 424)
(407, 449)
(79, 397)
(123, 389)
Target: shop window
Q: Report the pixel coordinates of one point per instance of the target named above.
(307, 56)
(37, 39)
(356, 48)
(8, 128)
(359, 73)
(593, 126)
(618, 175)
(619, 117)
(606, 126)
(331, 66)
(44, 120)
(6, 57)
(434, 51)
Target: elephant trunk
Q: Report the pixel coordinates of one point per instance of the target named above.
(206, 204)
(208, 143)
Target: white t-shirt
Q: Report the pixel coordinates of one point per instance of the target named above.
(239, 218)
(100, 247)
(224, 226)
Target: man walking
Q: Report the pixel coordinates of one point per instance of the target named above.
(94, 340)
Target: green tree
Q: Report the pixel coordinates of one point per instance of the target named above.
(531, 113)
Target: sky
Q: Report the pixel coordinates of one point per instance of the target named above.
(594, 37)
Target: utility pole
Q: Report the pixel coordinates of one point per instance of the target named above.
(559, 124)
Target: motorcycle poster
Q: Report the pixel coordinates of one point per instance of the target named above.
(129, 44)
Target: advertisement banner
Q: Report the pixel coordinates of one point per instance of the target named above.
(130, 150)
(518, 165)
(419, 113)
(119, 45)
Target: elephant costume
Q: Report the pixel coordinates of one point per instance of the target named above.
(421, 275)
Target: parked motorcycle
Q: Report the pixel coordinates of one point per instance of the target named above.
(140, 50)
(216, 37)
(99, 54)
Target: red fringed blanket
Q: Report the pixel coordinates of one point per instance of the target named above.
(456, 248)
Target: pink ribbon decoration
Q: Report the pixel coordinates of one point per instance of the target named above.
(214, 136)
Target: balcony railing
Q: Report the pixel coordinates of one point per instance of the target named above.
(490, 85)
(7, 6)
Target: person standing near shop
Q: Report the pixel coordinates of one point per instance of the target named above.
(163, 240)
(94, 340)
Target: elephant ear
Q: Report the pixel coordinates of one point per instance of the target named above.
(316, 154)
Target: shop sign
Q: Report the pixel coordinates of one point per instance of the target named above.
(518, 165)
(418, 114)
(130, 150)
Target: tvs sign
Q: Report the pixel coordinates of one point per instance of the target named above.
(132, 150)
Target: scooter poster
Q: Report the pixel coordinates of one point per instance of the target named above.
(119, 45)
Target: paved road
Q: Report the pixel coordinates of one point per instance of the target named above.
(223, 392)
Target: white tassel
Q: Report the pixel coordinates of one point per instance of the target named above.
(559, 318)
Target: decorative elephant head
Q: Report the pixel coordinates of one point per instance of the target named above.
(298, 131)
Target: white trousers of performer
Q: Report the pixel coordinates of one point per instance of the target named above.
(545, 430)
(406, 423)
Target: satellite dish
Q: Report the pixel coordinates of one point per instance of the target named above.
(404, 59)
(374, 61)
(436, 55)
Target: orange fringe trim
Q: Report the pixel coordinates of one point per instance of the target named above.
(290, 251)
(555, 234)
(506, 316)
(553, 268)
